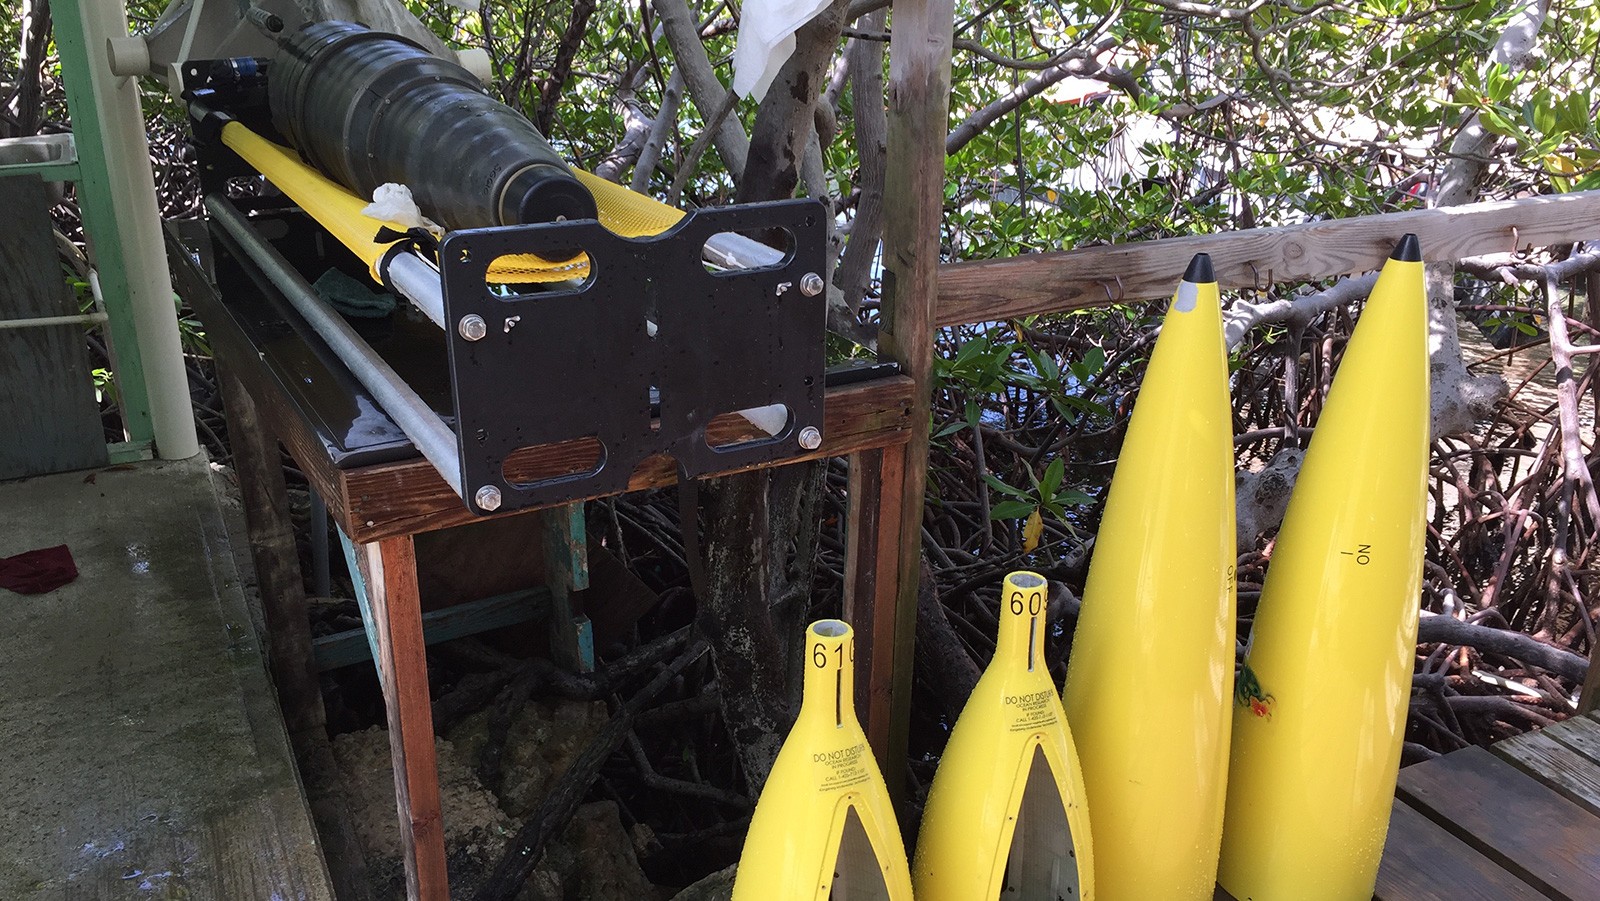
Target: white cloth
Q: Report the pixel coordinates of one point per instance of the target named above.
(766, 40)
(394, 203)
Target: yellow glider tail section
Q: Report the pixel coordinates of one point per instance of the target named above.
(1159, 608)
(1005, 817)
(1322, 699)
(824, 823)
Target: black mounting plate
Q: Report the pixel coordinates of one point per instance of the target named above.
(577, 366)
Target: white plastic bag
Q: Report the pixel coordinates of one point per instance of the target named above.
(766, 40)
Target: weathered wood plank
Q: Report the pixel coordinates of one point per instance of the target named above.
(1093, 276)
(410, 497)
(1423, 862)
(913, 200)
(1581, 734)
(390, 570)
(1506, 815)
(871, 584)
(1574, 776)
(52, 423)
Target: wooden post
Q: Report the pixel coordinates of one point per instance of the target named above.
(919, 108)
(872, 584)
(272, 547)
(389, 568)
(288, 641)
(566, 556)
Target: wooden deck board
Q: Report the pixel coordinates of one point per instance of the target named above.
(1533, 832)
(1581, 734)
(1424, 862)
(1565, 771)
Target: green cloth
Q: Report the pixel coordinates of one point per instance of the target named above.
(352, 297)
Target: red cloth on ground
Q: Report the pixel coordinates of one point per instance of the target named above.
(39, 571)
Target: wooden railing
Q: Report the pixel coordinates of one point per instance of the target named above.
(987, 290)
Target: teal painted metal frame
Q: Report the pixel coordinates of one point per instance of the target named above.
(49, 170)
(354, 646)
(100, 223)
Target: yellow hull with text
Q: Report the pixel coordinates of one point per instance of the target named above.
(1327, 678)
(824, 826)
(1005, 817)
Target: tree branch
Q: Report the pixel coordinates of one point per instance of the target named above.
(1083, 64)
(666, 120)
(1436, 628)
(571, 41)
(705, 89)
(872, 136)
(785, 121)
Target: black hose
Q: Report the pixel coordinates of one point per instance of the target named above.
(368, 108)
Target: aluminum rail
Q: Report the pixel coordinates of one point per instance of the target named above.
(420, 283)
(422, 425)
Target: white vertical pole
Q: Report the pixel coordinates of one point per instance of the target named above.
(134, 232)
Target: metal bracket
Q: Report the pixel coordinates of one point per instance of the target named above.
(577, 365)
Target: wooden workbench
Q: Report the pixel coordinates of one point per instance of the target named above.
(281, 389)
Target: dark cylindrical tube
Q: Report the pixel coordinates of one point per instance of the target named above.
(368, 108)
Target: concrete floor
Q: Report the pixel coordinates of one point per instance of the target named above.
(142, 754)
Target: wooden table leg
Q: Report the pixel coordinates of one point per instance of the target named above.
(389, 568)
(566, 555)
(288, 640)
(871, 593)
(283, 595)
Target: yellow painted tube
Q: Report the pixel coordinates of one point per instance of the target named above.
(1158, 621)
(328, 202)
(824, 823)
(1321, 702)
(622, 211)
(1005, 816)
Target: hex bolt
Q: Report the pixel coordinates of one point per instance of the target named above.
(488, 498)
(810, 437)
(811, 284)
(472, 327)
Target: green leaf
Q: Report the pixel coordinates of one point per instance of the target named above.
(1003, 488)
(1052, 477)
(1012, 510)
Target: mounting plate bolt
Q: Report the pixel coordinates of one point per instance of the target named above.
(811, 284)
(810, 437)
(488, 498)
(473, 328)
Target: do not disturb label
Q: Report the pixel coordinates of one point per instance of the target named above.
(1030, 710)
(841, 768)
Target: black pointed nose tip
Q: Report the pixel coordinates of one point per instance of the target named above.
(1409, 250)
(1199, 271)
